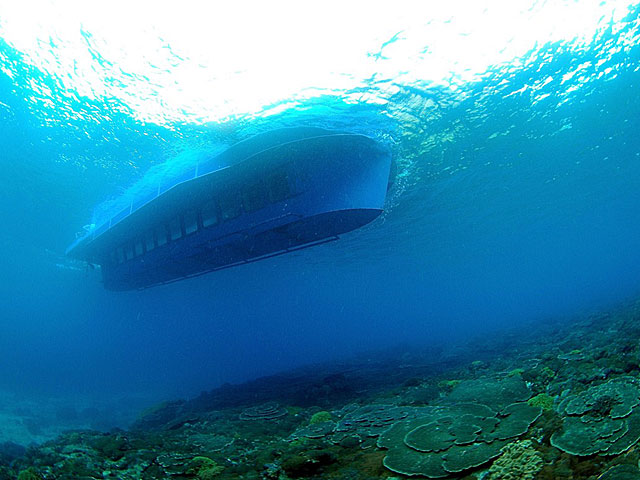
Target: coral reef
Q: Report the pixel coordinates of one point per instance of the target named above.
(555, 402)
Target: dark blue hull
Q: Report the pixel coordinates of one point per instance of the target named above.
(278, 192)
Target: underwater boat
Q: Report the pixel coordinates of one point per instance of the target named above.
(271, 194)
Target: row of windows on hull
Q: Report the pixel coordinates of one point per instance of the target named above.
(227, 206)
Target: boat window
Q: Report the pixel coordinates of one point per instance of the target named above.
(120, 254)
(113, 256)
(230, 204)
(278, 185)
(190, 221)
(128, 250)
(149, 241)
(254, 197)
(209, 213)
(161, 234)
(138, 247)
(175, 228)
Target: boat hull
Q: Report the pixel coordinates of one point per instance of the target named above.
(241, 248)
(324, 185)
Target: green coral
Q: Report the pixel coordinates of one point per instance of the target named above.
(29, 474)
(604, 419)
(496, 393)
(367, 422)
(621, 472)
(453, 439)
(320, 417)
(267, 411)
(482, 416)
(448, 385)
(519, 461)
(547, 373)
(314, 430)
(543, 401)
(204, 468)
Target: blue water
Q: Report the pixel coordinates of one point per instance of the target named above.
(517, 200)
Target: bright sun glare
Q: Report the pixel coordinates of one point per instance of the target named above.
(203, 61)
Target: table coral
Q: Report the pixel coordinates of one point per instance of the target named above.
(453, 439)
(604, 419)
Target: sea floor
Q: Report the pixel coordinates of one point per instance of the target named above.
(30, 419)
(551, 400)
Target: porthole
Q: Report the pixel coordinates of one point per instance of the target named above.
(190, 221)
(209, 213)
(175, 228)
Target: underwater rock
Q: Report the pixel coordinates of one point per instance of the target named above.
(478, 365)
(268, 411)
(158, 416)
(604, 419)
(518, 461)
(420, 395)
(540, 377)
(112, 447)
(203, 468)
(66, 413)
(174, 463)
(448, 385)
(451, 439)
(10, 451)
(412, 382)
(29, 474)
(307, 463)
